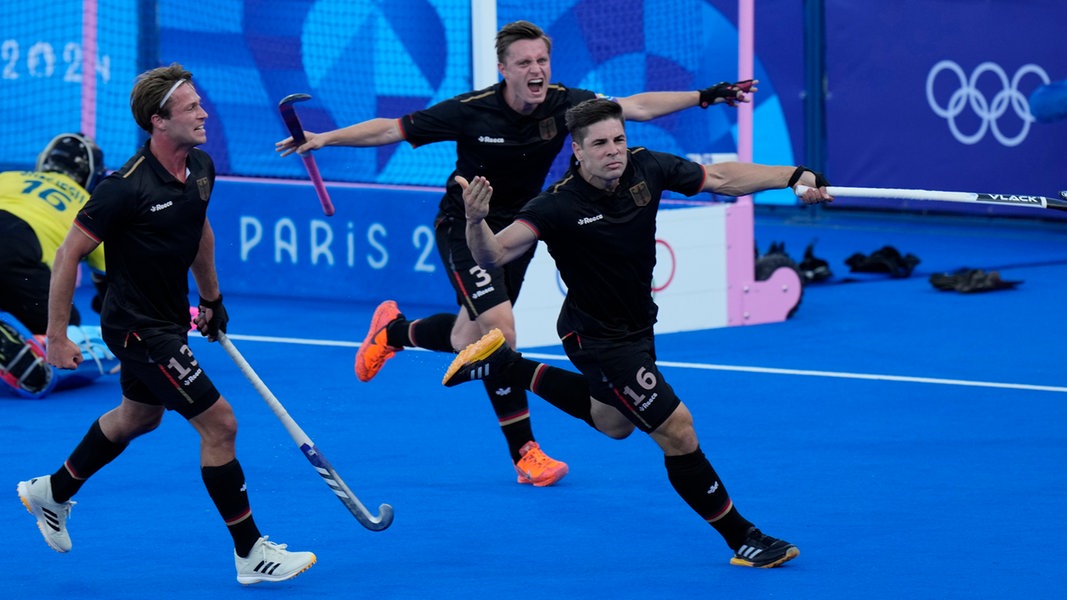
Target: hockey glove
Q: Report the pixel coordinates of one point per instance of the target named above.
(216, 322)
(731, 93)
(820, 179)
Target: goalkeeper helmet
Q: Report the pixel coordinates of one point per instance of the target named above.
(75, 155)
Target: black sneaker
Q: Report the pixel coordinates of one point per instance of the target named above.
(491, 354)
(763, 551)
(20, 365)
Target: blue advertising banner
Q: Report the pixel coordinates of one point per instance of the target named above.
(273, 240)
(932, 94)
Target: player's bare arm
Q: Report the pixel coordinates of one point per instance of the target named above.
(491, 250)
(741, 179)
(373, 132)
(203, 267)
(211, 315)
(62, 352)
(650, 105)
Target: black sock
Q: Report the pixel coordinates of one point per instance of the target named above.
(512, 412)
(88, 457)
(226, 486)
(566, 390)
(433, 332)
(698, 484)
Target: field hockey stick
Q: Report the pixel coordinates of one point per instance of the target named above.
(292, 122)
(904, 194)
(317, 459)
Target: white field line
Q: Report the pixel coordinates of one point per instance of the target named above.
(713, 367)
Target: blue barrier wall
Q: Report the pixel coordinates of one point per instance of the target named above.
(272, 239)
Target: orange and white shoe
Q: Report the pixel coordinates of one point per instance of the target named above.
(375, 349)
(537, 468)
(490, 354)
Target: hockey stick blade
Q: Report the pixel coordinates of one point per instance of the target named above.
(1024, 200)
(344, 494)
(292, 123)
(307, 447)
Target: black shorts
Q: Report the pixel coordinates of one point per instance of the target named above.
(623, 374)
(159, 369)
(24, 276)
(477, 289)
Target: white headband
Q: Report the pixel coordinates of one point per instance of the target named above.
(169, 92)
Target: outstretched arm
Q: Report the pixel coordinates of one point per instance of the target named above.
(373, 132)
(741, 179)
(488, 249)
(649, 105)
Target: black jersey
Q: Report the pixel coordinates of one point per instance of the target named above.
(513, 151)
(604, 243)
(151, 225)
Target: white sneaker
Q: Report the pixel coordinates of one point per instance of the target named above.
(271, 562)
(52, 516)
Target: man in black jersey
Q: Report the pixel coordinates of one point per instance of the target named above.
(151, 216)
(510, 133)
(599, 222)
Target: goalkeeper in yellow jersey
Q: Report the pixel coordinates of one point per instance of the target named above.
(36, 211)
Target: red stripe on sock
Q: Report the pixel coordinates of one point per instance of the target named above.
(535, 381)
(722, 513)
(514, 418)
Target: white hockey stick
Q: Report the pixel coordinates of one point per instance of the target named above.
(328, 473)
(905, 194)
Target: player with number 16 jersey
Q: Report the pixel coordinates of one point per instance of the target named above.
(600, 238)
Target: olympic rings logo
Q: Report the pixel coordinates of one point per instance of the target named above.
(988, 112)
